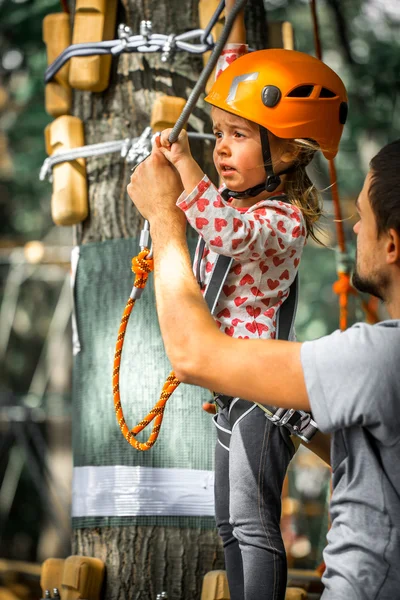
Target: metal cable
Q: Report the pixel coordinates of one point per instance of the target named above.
(132, 149)
(213, 20)
(206, 72)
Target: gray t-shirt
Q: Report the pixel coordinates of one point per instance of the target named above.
(353, 382)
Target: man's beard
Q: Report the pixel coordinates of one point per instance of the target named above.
(369, 285)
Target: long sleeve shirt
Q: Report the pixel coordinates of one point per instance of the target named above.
(265, 240)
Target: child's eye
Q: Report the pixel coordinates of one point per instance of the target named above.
(218, 134)
(238, 134)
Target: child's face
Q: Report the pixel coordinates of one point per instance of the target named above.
(237, 153)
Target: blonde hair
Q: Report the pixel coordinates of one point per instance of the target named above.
(300, 189)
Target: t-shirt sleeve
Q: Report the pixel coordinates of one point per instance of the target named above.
(352, 379)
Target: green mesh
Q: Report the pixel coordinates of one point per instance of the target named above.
(103, 283)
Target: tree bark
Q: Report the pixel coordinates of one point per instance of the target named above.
(143, 561)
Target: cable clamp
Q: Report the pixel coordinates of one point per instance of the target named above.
(168, 49)
(146, 29)
(124, 33)
(141, 148)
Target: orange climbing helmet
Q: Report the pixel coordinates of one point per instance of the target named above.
(290, 93)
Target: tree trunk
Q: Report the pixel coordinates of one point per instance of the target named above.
(142, 561)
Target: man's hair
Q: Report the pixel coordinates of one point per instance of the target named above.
(384, 190)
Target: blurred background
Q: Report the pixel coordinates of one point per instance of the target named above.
(361, 42)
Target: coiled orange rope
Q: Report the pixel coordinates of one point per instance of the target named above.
(142, 266)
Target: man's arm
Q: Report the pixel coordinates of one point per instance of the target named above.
(264, 371)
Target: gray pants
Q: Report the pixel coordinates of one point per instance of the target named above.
(248, 487)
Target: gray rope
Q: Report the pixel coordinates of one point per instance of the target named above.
(154, 42)
(134, 150)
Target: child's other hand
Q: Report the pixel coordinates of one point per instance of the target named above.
(178, 150)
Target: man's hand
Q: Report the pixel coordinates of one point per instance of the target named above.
(155, 187)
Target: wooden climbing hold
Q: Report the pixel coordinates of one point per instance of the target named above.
(82, 578)
(57, 37)
(215, 586)
(94, 21)
(51, 574)
(69, 202)
(165, 112)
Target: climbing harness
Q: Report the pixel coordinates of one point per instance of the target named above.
(298, 422)
(143, 264)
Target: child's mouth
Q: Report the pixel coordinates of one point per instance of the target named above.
(226, 170)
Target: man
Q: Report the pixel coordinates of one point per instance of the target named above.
(350, 381)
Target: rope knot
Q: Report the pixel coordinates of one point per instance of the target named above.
(142, 266)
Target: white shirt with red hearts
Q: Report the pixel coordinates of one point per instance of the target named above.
(265, 240)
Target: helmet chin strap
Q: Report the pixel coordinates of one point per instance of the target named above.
(272, 181)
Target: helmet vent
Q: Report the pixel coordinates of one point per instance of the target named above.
(302, 91)
(325, 93)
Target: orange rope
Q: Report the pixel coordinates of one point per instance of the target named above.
(342, 286)
(142, 267)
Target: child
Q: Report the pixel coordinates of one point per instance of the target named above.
(271, 110)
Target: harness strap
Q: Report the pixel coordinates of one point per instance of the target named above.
(298, 422)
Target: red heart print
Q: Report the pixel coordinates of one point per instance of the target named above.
(253, 312)
(245, 337)
(200, 222)
(235, 243)
(292, 252)
(251, 327)
(228, 290)
(294, 215)
(251, 223)
(218, 203)
(218, 323)
(270, 252)
(217, 242)
(203, 186)
(261, 211)
(246, 279)
(296, 262)
(219, 224)
(281, 227)
(239, 301)
(285, 275)
(269, 313)
(296, 232)
(281, 244)
(225, 312)
(266, 301)
(229, 331)
(209, 267)
(202, 203)
(236, 224)
(278, 261)
(237, 269)
(272, 230)
(254, 290)
(263, 267)
(272, 283)
(236, 321)
(262, 327)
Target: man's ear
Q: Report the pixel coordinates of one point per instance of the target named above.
(393, 247)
